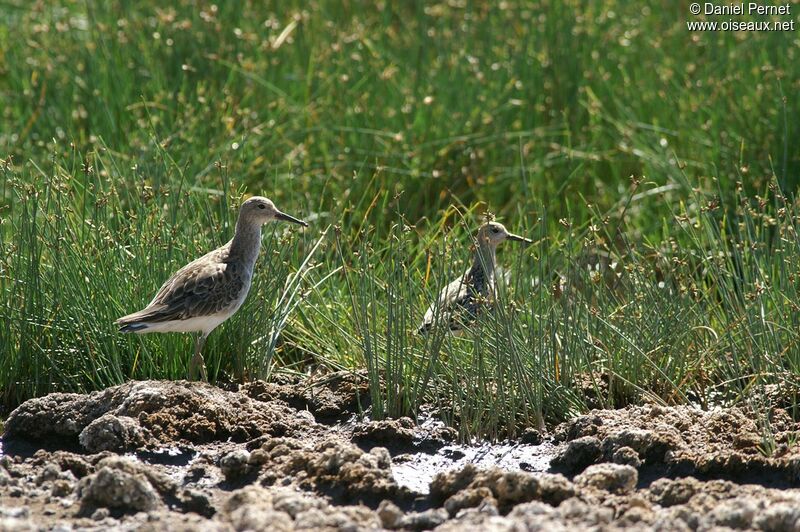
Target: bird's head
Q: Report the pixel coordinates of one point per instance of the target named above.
(493, 233)
(262, 210)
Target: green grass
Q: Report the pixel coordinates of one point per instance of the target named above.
(655, 168)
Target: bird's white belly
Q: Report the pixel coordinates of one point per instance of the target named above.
(206, 324)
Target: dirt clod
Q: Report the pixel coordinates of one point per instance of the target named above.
(579, 454)
(386, 432)
(684, 439)
(112, 433)
(468, 498)
(325, 396)
(614, 478)
(330, 464)
(626, 456)
(508, 487)
(118, 489)
(235, 464)
(256, 508)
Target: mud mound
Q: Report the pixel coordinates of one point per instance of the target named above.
(331, 466)
(386, 432)
(604, 498)
(124, 485)
(509, 488)
(256, 508)
(330, 396)
(151, 413)
(686, 440)
(191, 469)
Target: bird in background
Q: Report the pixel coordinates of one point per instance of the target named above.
(460, 302)
(209, 290)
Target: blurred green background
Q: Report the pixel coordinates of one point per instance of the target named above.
(473, 100)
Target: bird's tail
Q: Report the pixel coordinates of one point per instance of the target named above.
(132, 327)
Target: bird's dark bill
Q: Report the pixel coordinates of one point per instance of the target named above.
(286, 218)
(518, 238)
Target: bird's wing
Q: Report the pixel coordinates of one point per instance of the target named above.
(450, 299)
(203, 287)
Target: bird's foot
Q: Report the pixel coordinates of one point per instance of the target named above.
(197, 365)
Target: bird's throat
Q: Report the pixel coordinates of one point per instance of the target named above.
(484, 261)
(246, 242)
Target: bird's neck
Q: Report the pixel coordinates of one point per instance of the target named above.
(484, 260)
(246, 242)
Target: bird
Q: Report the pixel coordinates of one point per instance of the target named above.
(209, 290)
(460, 302)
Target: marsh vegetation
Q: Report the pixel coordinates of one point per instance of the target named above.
(655, 168)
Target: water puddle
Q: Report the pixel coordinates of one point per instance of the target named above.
(415, 471)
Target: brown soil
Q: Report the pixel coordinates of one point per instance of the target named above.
(187, 456)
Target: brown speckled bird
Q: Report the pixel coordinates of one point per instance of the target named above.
(460, 302)
(209, 290)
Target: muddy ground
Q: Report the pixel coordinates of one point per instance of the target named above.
(160, 455)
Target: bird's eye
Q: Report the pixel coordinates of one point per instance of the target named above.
(261, 207)
(495, 230)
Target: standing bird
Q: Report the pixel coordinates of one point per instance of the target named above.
(209, 290)
(460, 301)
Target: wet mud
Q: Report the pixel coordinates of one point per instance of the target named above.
(297, 455)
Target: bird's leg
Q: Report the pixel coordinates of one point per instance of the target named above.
(198, 363)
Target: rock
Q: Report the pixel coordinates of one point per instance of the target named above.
(235, 464)
(118, 489)
(338, 518)
(259, 518)
(392, 518)
(484, 523)
(118, 434)
(51, 416)
(124, 484)
(586, 425)
(534, 510)
(614, 478)
(579, 454)
(579, 512)
(689, 441)
(294, 503)
(445, 485)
